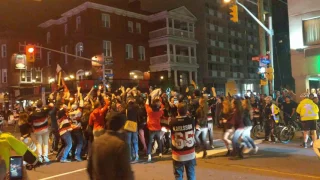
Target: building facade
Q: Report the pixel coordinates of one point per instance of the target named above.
(225, 49)
(126, 37)
(304, 26)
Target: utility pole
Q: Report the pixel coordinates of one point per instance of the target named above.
(262, 38)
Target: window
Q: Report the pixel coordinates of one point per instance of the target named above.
(79, 49)
(66, 56)
(3, 50)
(130, 26)
(38, 53)
(65, 29)
(48, 58)
(138, 27)
(129, 51)
(31, 76)
(78, 22)
(48, 37)
(109, 74)
(311, 31)
(105, 20)
(142, 53)
(107, 48)
(4, 75)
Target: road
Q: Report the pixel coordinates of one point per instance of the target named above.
(273, 161)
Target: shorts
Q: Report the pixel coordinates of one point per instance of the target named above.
(309, 125)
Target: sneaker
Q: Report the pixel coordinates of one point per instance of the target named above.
(247, 150)
(65, 161)
(40, 159)
(212, 146)
(228, 153)
(149, 158)
(78, 159)
(137, 158)
(240, 153)
(256, 150)
(46, 159)
(160, 155)
(305, 145)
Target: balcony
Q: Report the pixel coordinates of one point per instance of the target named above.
(172, 31)
(214, 58)
(161, 59)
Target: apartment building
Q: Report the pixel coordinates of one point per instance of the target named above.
(225, 49)
(139, 44)
(304, 27)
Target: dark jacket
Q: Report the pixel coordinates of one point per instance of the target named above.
(110, 158)
(237, 119)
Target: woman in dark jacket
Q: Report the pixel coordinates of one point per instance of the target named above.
(237, 118)
(202, 125)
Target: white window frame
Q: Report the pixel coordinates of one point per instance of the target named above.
(105, 20)
(129, 51)
(138, 28)
(3, 50)
(66, 29)
(142, 53)
(4, 76)
(48, 37)
(107, 48)
(66, 56)
(79, 49)
(130, 26)
(49, 58)
(78, 22)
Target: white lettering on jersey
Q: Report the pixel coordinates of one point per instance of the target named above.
(182, 140)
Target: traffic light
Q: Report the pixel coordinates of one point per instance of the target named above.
(30, 53)
(269, 73)
(234, 13)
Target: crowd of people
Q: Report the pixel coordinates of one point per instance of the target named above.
(119, 126)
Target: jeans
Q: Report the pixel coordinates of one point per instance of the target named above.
(152, 135)
(203, 132)
(78, 139)
(235, 140)
(247, 140)
(178, 168)
(42, 143)
(56, 139)
(66, 137)
(210, 131)
(226, 136)
(133, 141)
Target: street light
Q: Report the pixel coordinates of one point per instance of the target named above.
(161, 77)
(226, 1)
(71, 76)
(135, 76)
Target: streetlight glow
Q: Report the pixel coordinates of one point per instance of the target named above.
(226, 1)
(161, 77)
(135, 76)
(72, 76)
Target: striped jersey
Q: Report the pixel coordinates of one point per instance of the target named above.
(75, 117)
(39, 120)
(182, 138)
(63, 122)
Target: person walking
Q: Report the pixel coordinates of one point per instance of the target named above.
(237, 117)
(308, 112)
(183, 143)
(110, 154)
(247, 120)
(227, 123)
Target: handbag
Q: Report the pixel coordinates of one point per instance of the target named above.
(130, 125)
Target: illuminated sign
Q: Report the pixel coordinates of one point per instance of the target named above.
(20, 61)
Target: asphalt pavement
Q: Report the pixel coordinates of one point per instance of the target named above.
(273, 161)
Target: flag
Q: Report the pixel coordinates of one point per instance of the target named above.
(58, 68)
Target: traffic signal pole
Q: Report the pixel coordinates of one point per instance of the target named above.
(270, 33)
(103, 63)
